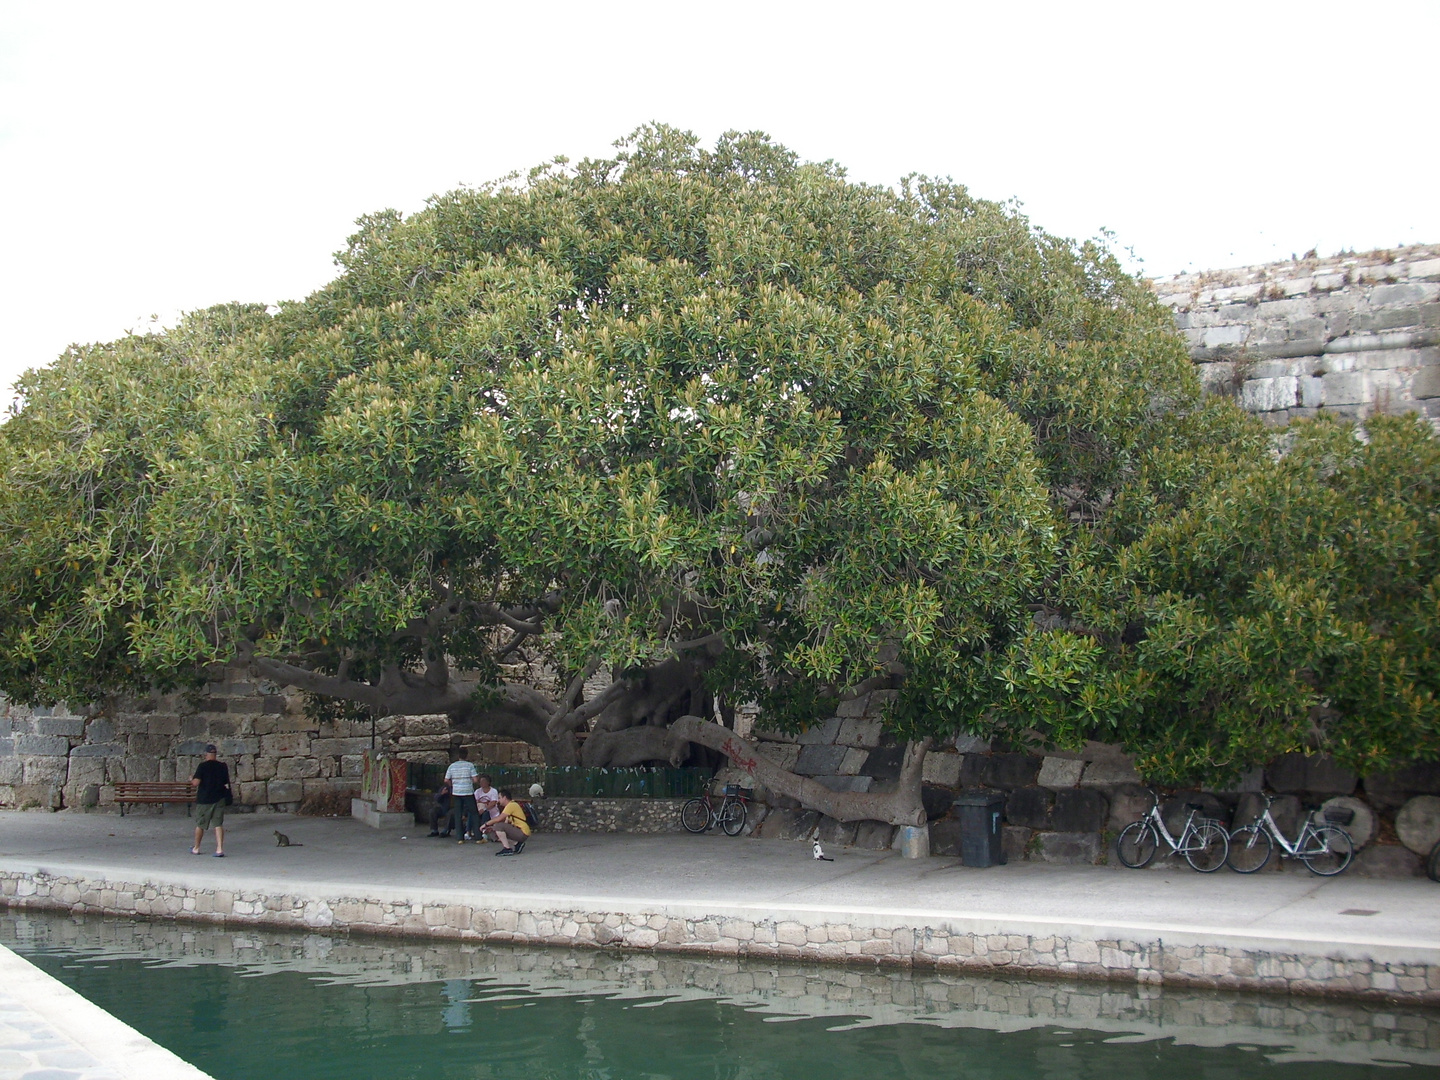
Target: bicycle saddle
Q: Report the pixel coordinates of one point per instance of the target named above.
(1195, 806)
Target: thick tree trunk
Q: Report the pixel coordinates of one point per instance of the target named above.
(900, 807)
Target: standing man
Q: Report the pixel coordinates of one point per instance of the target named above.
(460, 779)
(212, 792)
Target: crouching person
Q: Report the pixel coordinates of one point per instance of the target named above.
(510, 828)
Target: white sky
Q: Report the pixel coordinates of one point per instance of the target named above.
(161, 157)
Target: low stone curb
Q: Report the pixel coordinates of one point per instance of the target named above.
(1146, 955)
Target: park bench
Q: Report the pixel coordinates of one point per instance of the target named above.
(154, 792)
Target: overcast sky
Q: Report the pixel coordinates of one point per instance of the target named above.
(156, 158)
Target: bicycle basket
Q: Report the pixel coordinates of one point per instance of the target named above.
(1338, 815)
(737, 790)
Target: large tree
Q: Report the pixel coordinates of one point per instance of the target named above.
(719, 423)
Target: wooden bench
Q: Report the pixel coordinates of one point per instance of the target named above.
(154, 792)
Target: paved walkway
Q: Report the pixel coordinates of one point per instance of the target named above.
(1295, 907)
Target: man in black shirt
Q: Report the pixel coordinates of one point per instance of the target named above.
(212, 790)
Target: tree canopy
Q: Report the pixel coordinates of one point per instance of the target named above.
(729, 427)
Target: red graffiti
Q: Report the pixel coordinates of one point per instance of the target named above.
(736, 753)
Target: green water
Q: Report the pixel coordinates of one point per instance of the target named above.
(272, 1006)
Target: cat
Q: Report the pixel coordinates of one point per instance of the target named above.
(281, 840)
(819, 853)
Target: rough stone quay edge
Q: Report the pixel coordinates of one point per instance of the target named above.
(945, 942)
(111, 1041)
(1348, 946)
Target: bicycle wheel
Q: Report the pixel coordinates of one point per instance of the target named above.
(1207, 848)
(1136, 845)
(732, 817)
(1328, 850)
(695, 815)
(1250, 849)
(1432, 864)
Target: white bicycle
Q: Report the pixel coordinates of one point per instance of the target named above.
(1204, 843)
(1325, 848)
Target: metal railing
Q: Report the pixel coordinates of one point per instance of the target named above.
(577, 781)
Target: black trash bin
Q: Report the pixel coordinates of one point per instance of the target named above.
(980, 815)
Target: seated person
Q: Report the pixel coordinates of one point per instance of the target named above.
(487, 799)
(440, 811)
(510, 828)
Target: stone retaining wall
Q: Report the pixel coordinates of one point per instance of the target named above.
(1349, 335)
(568, 814)
(845, 937)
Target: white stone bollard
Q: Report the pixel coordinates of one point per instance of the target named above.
(912, 841)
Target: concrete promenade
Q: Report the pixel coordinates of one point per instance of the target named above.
(1287, 932)
(49, 1032)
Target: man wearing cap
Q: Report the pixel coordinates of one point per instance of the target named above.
(212, 791)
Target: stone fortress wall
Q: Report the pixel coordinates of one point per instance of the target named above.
(1353, 334)
(1349, 335)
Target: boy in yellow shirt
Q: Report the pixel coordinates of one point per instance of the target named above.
(510, 828)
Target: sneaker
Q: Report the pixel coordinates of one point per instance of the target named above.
(519, 846)
(507, 851)
(432, 833)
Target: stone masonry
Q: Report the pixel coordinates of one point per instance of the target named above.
(954, 944)
(1348, 335)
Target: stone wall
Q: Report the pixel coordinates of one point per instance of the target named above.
(948, 944)
(609, 815)
(1064, 807)
(1348, 335)
(279, 758)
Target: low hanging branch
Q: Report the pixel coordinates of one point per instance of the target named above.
(903, 806)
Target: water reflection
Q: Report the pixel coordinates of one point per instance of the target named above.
(1283, 1029)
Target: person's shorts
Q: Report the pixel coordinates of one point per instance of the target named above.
(510, 831)
(209, 815)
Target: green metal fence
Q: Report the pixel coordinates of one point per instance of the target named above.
(576, 781)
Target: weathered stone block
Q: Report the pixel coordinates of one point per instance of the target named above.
(1128, 802)
(1014, 842)
(854, 760)
(838, 833)
(971, 744)
(427, 724)
(823, 734)
(855, 731)
(845, 783)
(253, 794)
(296, 768)
(783, 754)
(1389, 790)
(288, 744)
(789, 824)
(358, 745)
(884, 763)
(42, 745)
(232, 748)
(818, 759)
(942, 769)
(851, 707)
(1011, 770)
(874, 835)
(1030, 807)
(102, 730)
(1080, 810)
(1418, 824)
(94, 750)
(69, 726)
(1315, 774)
(283, 791)
(41, 771)
(1106, 773)
(1073, 848)
(1056, 772)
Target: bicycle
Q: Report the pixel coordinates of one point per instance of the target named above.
(1205, 844)
(1326, 849)
(699, 814)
